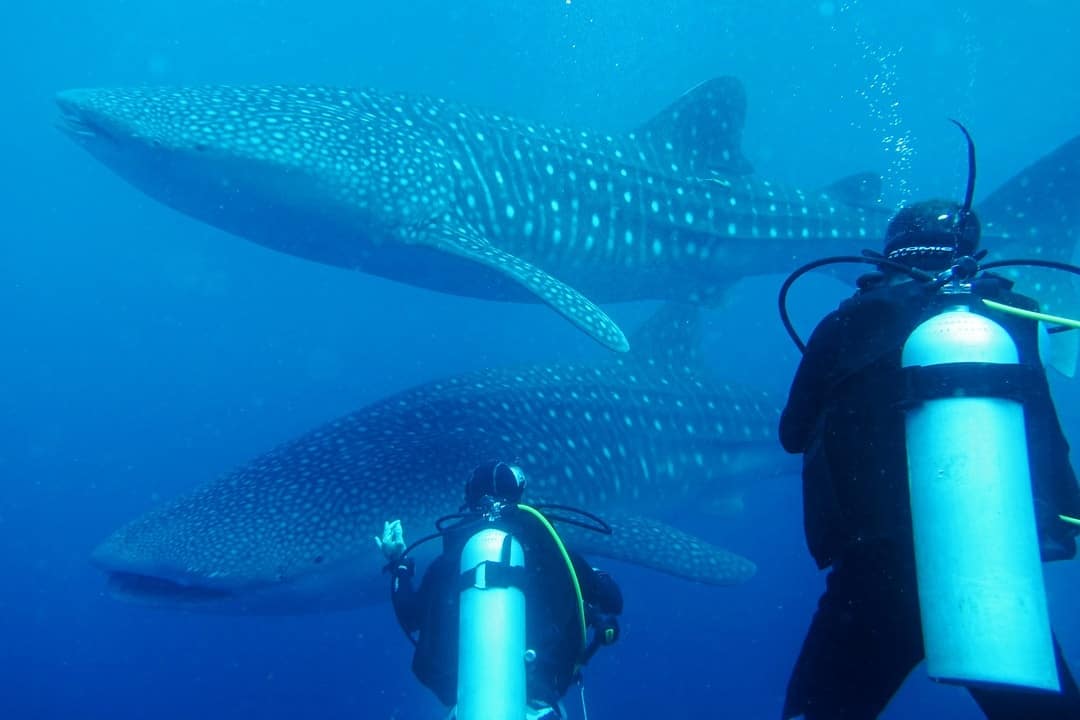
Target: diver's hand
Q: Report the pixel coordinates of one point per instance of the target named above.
(392, 542)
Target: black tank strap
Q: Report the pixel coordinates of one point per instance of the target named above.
(496, 574)
(966, 379)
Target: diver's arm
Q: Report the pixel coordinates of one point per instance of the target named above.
(407, 601)
(807, 396)
(599, 590)
(1055, 485)
(603, 604)
(605, 595)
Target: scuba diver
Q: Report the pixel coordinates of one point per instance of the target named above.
(880, 508)
(560, 597)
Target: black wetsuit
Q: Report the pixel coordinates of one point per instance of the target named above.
(553, 624)
(844, 415)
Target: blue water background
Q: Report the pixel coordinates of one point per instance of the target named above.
(142, 352)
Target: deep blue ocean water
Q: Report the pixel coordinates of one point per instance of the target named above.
(143, 352)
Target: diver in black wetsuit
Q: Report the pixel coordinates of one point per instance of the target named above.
(553, 632)
(844, 415)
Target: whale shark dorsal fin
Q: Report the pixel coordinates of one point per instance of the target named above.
(671, 337)
(700, 134)
(468, 243)
(861, 190)
(653, 544)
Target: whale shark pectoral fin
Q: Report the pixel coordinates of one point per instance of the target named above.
(653, 544)
(466, 242)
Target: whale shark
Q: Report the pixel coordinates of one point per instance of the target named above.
(636, 439)
(477, 203)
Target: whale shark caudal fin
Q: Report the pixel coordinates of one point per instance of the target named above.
(656, 545)
(704, 128)
(469, 244)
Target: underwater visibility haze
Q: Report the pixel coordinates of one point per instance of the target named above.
(221, 426)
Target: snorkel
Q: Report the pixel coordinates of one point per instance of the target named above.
(969, 193)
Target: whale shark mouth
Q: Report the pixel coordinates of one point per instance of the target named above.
(152, 588)
(83, 124)
(75, 121)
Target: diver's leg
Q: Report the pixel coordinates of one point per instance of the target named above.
(863, 641)
(999, 704)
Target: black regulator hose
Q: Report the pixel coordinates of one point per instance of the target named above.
(914, 273)
(879, 261)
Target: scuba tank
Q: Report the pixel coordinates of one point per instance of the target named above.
(491, 628)
(980, 582)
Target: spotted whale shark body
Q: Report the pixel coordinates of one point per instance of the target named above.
(631, 439)
(475, 203)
